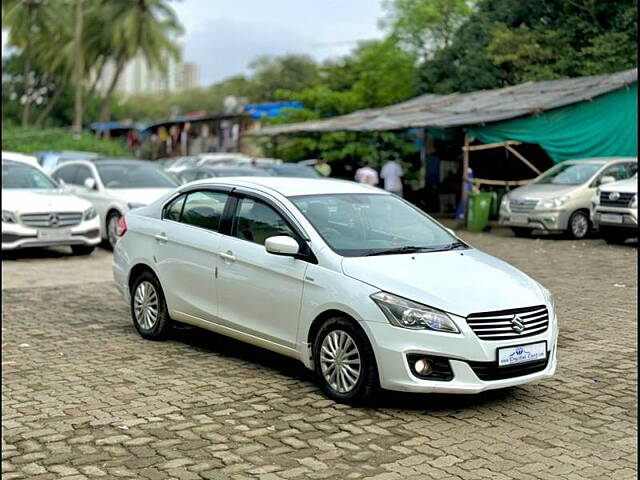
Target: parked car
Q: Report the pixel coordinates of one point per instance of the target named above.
(355, 282)
(20, 157)
(114, 186)
(180, 163)
(50, 160)
(558, 201)
(292, 170)
(200, 173)
(36, 213)
(614, 210)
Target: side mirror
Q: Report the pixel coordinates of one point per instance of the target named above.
(282, 245)
(90, 183)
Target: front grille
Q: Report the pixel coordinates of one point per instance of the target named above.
(52, 219)
(499, 325)
(623, 200)
(491, 370)
(522, 206)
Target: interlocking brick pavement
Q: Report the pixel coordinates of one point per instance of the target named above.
(85, 397)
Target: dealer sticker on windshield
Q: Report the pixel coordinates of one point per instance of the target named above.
(522, 354)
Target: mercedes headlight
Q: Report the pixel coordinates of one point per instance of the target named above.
(133, 205)
(89, 213)
(9, 217)
(414, 316)
(552, 203)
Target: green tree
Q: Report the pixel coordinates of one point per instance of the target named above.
(288, 72)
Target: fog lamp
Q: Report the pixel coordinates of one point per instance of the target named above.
(423, 367)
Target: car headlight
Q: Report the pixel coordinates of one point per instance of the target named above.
(9, 217)
(133, 205)
(504, 203)
(634, 201)
(414, 316)
(90, 213)
(549, 301)
(553, 203)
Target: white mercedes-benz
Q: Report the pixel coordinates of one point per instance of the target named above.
(37, 213)
(355, 282)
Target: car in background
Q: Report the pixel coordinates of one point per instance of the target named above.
(355, 282)
(20, 157)
(200, 173)
(177, 164)
(292, 170)
(50, 160)
(614, 210)
(559, 200)
(114, 186)
(37, 213)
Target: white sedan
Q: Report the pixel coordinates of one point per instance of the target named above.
(354, 282)
(37, 213)
(114, 186)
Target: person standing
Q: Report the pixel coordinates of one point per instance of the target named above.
(392, 174)
(322, 167)
(367, 175)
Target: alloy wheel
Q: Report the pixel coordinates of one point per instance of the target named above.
(145, 305)
(340, 361)
(112, 230)
(579, 225)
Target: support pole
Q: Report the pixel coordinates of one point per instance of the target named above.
(465, 168)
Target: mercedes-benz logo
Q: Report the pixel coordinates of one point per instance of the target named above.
(517, 324)
(53, 219)
(614, 196)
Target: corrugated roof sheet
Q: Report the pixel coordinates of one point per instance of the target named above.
(462, 109)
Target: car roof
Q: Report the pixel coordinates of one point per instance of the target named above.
(291, 187)
(121, 161)
(600, 160)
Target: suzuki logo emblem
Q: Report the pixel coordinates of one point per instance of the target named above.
(517, 324)
(614, 196)
(53, 219)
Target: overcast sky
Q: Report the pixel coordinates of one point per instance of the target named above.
(222, 37)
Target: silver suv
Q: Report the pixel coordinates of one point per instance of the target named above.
(559, 200)
(614, 210)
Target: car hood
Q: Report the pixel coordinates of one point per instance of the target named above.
(143, 196)
(541, 191)
(41, 200)
(460, 282)
(630, 185)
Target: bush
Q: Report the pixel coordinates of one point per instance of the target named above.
(31, 140)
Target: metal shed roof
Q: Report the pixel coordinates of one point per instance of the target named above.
(461, 109)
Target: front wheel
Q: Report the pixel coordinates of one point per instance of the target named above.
(112, 229)
(521, 232)
(612, 235)
(82, 249)
(149, 308)
(579, 225)
(344, 362)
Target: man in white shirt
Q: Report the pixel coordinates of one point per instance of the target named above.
(367, 175)
(392, 173)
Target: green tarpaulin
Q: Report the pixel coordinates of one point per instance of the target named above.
(606, 126)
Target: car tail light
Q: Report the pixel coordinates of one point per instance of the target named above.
(122, 227)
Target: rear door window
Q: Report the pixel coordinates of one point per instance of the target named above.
(204, 209)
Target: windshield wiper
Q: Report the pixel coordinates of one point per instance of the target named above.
(407, 249)
(452, 246)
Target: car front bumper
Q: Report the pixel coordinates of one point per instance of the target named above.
(545, 220)
(628, 217)
(465, 352)
(16, 236)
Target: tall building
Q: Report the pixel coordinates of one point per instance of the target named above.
(188, 77)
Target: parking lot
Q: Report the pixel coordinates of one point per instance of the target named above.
(85, 397)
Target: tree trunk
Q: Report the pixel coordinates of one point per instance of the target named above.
(79, 67)
(54, 99)
(26, 83)
(105, 111)
(94, 84)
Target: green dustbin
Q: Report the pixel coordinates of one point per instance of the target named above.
(479, 209)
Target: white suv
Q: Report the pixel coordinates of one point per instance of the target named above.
(614, 210)
(354, 282)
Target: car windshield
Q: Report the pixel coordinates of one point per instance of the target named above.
(569, 174)
(294, 171)
(133, 175)
(355, 225)
(15, 175)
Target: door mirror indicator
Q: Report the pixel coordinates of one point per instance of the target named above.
(282, 245)
(89, 183)
(607, 179)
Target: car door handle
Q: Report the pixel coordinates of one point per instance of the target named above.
(227, 256)
(161, 238)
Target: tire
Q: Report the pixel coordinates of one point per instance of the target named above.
(336, 331)
(612, 236)
(112, 228)
(521, 232)
(147, 286)
(579, 225)
(82, 249)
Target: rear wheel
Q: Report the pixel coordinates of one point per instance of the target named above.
(344, 362)
(521, 232)
(579, 225)
(149, 309)
(82, 249)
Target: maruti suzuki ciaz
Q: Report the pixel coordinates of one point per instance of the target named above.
(356, 283)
